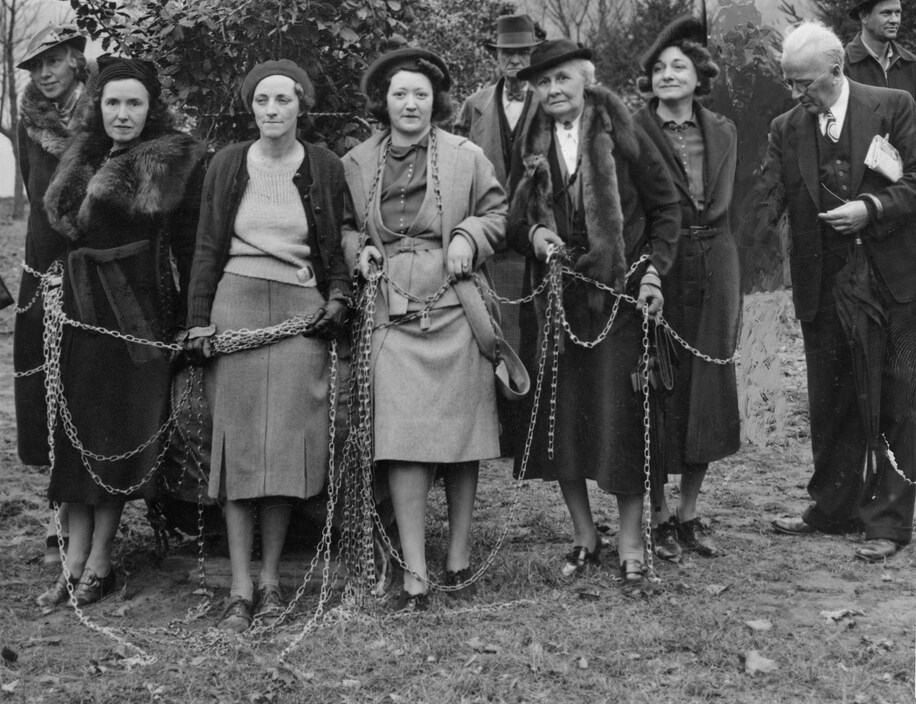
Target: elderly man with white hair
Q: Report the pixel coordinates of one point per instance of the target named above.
(853, 236)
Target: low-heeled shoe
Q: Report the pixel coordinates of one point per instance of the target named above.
(693, 536)
(877, 550)
(270, 604)
(236, 617)
(632, 572)
(579, 558)
(92, 588)
(664, 541)
(57, 593)
(407, 603)
(792, 525)
(453, 579)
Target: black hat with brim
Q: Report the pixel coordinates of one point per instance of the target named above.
(551, 54)
(406, 59)
(861, 7)
(685, 27)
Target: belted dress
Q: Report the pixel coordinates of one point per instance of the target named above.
(433, 390)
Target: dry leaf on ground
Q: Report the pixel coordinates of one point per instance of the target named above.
(754, 662)
(760, 625)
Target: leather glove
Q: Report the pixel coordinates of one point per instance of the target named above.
(329, 321)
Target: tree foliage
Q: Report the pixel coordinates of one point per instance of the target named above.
(204, 48)
(457, 31)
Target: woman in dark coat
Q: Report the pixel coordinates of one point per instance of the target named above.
(587, 178)
(53, 106)
(703, 295)
(436, 213)
(268, 249)
(125, 196)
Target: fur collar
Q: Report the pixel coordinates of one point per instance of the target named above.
(606, 131)
(149, 180)
(43, 121)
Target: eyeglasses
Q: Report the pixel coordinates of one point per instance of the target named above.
(802, 86)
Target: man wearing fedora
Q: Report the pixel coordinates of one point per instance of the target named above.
(492, 118)
(873, 57)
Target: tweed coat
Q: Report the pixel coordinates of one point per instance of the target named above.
(478, 120)
(474, 204)
(42, 139)
(125, 216)
(702, 299)
(628, 207)
(862, 67)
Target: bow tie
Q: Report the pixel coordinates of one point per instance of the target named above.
(517, 95)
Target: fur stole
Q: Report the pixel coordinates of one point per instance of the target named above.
(606, 135)
(149, 180)
(43, 121)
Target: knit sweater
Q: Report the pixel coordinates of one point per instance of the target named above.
(271, 231)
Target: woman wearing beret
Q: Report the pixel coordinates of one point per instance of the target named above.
(53, 106)
(586, 178)
(427, 209)
(268, 249)
(125, 196)
(702, 289)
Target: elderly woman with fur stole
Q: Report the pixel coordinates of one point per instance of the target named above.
(586, 178)
(126, 196)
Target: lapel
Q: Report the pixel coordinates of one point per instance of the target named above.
(864, 123)
(803, 139)
(717, 144)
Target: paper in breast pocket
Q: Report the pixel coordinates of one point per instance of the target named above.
(884, 158)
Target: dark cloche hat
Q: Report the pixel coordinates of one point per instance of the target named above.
(51, 36)
(863, 6)
(553, 53)
(684, 27)
(406, 59)
(282, 67)
(116, 68)
(514, 32)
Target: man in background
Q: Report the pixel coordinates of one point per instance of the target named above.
(874, 57)
(492, 118)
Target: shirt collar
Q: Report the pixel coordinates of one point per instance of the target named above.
(839, 107)
(880, 59)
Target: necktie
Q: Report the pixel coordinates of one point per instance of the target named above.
(830, 128)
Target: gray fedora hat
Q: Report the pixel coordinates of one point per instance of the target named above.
(51, 36)
(514, 32)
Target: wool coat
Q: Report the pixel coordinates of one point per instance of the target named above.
(627, 207)
(463, 426)
(702, 299)
(862, 67)
(42, 138)
(126, 217)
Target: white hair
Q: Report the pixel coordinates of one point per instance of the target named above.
(586, 68)
(813, 36)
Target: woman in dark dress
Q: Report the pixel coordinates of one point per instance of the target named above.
(587, 178)
(125, 196)
(268, 249)
(703, 294)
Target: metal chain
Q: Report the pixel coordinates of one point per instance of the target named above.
(647, 451)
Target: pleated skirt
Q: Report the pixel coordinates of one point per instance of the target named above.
(434, 393)
(269, 404)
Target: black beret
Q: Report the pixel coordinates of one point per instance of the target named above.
(685, 27)
(283, 67)
(406, 59)
(115, 68)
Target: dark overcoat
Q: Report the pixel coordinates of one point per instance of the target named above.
(702, 299)
(42, 138)
(126, 217)
(628, 208)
